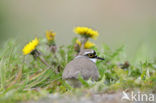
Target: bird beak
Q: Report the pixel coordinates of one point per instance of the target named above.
(100, 58)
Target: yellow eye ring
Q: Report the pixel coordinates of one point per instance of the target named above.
(90, 55)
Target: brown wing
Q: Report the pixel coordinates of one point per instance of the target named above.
(81, 66)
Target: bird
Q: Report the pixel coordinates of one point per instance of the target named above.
(84, 64)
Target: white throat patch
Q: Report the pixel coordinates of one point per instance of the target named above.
(93, 60)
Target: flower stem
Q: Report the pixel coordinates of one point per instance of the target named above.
(53, 48)
(83, 41)
(43, 61)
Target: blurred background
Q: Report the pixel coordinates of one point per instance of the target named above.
(128, 22)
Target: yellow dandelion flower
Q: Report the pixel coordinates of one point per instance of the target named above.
(50, 35)
(87, 32)
(78, 42)
(31, 46)
(87, 45)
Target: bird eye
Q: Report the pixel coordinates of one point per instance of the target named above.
(90, 55)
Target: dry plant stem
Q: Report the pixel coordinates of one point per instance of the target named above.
(37, 55)
(53, 48)
(43, 61)
(83, 41)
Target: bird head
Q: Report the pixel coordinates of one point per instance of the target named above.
(91, 54)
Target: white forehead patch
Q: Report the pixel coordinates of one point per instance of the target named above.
(89, 52)
(78, 56)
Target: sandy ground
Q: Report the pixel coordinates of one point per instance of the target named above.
(88, 98)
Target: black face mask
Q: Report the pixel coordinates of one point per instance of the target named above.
(93, 55)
